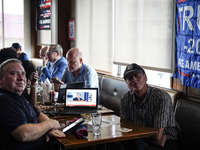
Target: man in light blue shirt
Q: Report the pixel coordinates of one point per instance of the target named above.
(77, 71)
(86, 74)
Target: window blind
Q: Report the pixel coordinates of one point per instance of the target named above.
(94, 32)
(144, 33)
(126, 31)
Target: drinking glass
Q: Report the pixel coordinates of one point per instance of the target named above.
(55, 102)
(50, 98)
(51, 93)
(96, 123)
(39, 93)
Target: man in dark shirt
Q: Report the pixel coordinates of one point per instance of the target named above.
(22, 126)
(150, 107)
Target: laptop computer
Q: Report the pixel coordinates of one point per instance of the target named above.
(62, 90)
(80, 101)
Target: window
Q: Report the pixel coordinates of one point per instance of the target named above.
(94, 35)
(114, 33)
(12, 22)
(144, 32)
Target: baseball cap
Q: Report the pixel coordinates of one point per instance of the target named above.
(133, 68)
(16, 45)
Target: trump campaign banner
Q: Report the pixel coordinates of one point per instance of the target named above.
(188, 42)
(44, 14)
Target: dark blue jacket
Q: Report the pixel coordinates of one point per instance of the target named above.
(23, 56)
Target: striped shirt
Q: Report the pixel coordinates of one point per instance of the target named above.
(155, 111)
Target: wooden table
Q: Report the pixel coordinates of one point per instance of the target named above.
(103, 111)
(108, 134)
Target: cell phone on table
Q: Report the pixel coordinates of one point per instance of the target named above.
(55, 80)
(72, 125)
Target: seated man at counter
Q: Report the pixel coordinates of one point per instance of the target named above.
(42, 54)
(53, 63)
(77, 71)
(21, 55)
(150, 107)
(22, 126)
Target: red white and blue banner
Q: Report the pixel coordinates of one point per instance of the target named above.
(188, 42)
(44, 14)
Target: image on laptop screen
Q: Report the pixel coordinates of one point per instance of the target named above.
(81, 97)
(62, 90)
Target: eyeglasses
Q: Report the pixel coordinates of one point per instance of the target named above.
(71, 62)
(49, 52)
(129, 77)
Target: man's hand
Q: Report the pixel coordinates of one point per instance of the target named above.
(44, 61)
(34, 77)
(55, 124)
(161, 142)
(40, 108)
(55, 133)
(57, 84)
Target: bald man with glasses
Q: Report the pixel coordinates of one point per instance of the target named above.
(77, 71)
(53, 63)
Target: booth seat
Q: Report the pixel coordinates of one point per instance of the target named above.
(187, 114)
(112, 89)
(36, 61)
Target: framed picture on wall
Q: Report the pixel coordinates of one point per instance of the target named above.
(71, 29)
(44, 15)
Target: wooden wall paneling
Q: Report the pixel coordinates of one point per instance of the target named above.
(194, 92)
(34, 47)
(64, 14)
(176, 84)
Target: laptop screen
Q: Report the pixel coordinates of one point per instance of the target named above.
(81, 97)
(62, 90)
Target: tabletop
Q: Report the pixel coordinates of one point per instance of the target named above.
(109, 133)
(102, 110)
